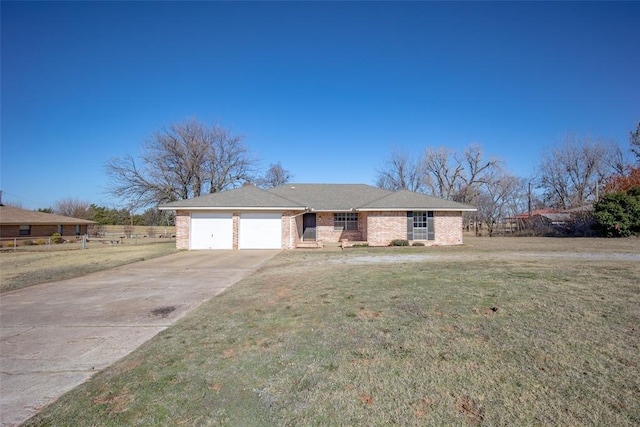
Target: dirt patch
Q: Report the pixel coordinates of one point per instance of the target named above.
(487, 311)
(115, 404)
(473, 412)
(367, 314)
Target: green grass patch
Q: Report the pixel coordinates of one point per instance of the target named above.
(360, 245)
(332, 338)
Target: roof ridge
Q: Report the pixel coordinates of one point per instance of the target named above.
(389, 193)
(268, 190)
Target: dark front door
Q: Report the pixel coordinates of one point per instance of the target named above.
(309, 226)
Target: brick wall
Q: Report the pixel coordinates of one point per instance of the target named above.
(383, 227)
(42, 231)
(291, 229)
(448, 228)
(325, 231)
(377, 228)
(10, 231)
(236, 222)
(183, 221)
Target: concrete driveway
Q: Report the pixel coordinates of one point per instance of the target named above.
(55, 336)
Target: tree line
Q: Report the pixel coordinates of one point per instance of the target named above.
(191, 158)
(103, 215)
(575, 173)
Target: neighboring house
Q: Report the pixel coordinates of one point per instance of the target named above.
(308, 215)
(16, 222)
(543, 218)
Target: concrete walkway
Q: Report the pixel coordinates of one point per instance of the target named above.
(55, 336)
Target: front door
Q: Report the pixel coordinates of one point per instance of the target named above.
(309, 226)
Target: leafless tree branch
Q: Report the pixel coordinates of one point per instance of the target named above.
(186, 159)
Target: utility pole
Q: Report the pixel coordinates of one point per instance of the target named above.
(475, 222)
(529, 200)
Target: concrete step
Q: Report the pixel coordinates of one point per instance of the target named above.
(309, 245)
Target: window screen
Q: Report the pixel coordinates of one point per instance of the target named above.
(420, 226)
(345, 221)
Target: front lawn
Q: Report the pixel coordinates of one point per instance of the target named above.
(33, 265)
(511, 332)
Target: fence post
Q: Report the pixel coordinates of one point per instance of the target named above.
(84, 241)
(15, 244)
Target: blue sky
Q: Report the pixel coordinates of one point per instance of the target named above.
(326, 88)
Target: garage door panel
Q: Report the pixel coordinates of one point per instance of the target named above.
(211, 231)
(260, 231)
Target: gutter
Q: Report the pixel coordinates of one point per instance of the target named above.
(417, 209)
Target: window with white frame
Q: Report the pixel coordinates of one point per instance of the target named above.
(345, 221)
(420, 225)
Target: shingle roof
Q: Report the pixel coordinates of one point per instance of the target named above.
(318, 197)
(244, 197)
(10, 215)
(331, 197)
(409, 200)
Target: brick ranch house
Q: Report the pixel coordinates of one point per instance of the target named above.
(16, 222)
(308, 215)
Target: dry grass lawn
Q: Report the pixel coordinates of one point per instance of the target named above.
(500, 331)
(36, 264)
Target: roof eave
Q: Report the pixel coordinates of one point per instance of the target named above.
(417, 209)
(333, 210)
(231, 208)
(45, 223)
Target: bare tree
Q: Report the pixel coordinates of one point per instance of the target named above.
(228, 163)
(72, 207)
(522, 200)
(496, 198)
(570, 172)
(616, 159)
(185, 160)
(444, 172)
(479, 172)
(458, 177)
(401, 172)
(276, 175)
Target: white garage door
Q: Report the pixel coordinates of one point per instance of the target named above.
(211, 231)
(260, 231)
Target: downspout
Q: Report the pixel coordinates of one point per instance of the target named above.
(290, 226)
